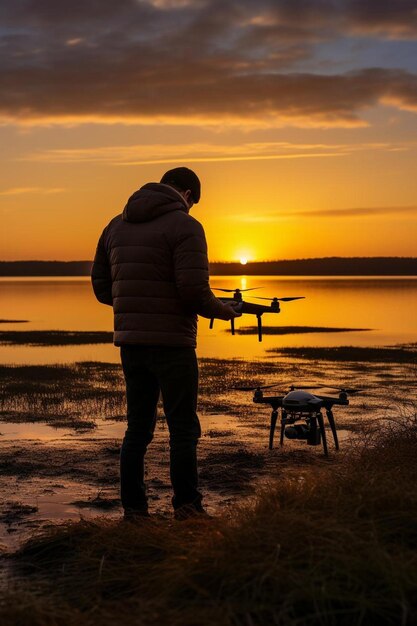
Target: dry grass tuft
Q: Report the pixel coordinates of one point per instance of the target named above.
(395, 354)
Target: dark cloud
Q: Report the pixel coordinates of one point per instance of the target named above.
(396, 18)
(206, 59)
(389, 16)
(52, 13)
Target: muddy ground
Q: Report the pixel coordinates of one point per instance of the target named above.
(61, 429)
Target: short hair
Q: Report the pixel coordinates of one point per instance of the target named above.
(183, 178)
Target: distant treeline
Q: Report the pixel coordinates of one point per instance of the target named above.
(45, 268)
(329, 266)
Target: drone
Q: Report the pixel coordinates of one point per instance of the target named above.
(301, 412)
(254, 309)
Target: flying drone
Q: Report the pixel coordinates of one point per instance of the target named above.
(252, 308)
(301, 412)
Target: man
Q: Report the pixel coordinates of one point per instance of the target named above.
(151, 265)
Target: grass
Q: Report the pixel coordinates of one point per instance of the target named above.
(338, 547)
(352, 353)
(85, 463)
(75, 395)
(292, 330)
(70, 396)
(231, 472)
(53, 337)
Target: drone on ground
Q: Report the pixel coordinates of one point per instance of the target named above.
(301, 412)
(254, 309)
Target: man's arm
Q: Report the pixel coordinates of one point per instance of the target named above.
(100, 274)
(192, 275)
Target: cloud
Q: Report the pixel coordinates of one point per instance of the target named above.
(18, 191)
(203, 152)
(357, 211)
(199, 62)
(327, 213)
(303, 100)
(394, 18)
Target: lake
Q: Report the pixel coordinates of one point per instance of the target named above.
(385, 305)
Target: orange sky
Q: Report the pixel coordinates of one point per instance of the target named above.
(303, 137)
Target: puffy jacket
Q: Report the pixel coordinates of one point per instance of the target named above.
(151, 265)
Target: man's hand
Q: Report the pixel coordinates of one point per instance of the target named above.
(233, 309)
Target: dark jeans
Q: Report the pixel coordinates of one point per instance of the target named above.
(148, 371)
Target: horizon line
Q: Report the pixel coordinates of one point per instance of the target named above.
(228, 262)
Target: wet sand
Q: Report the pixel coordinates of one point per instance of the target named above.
(61, 429)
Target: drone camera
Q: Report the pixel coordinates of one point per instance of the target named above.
(258, 395)
(304, 432)
(237, 296)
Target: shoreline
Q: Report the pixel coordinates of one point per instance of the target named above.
(327, 266)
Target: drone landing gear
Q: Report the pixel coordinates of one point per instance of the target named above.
(259, 317)
(283, 424)
(232, 325)
(316, 423)
(332, 423)
(274, 417)
(322, 432)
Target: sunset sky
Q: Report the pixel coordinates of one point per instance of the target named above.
(299, 117)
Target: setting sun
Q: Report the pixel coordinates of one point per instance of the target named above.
(243, 260)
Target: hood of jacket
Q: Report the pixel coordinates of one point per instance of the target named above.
(151, 201)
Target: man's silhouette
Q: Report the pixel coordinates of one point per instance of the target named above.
(151, 265)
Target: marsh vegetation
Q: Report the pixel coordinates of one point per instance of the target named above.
(53, 337)
(297, 538)
(293, 330)
(394, 354)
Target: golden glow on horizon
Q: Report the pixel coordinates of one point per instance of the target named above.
(250, 210)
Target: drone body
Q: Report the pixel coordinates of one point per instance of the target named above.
(301, 414)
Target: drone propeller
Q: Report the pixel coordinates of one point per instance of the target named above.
(305, 387)
(320, 386)
(345, 389)
(276, 299)
(254, 388)
(237, 289)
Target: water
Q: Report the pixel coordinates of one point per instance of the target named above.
(386, 305)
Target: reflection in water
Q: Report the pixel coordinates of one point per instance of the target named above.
(386, 305)
(40, 431)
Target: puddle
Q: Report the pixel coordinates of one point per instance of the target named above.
(52, 503)
(42, 446)
(15, 431)
(23, 431)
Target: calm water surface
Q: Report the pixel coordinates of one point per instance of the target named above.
(385, 305)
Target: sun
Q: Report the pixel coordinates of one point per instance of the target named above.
(243, 260)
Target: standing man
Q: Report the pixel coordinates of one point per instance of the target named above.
(151, 266)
